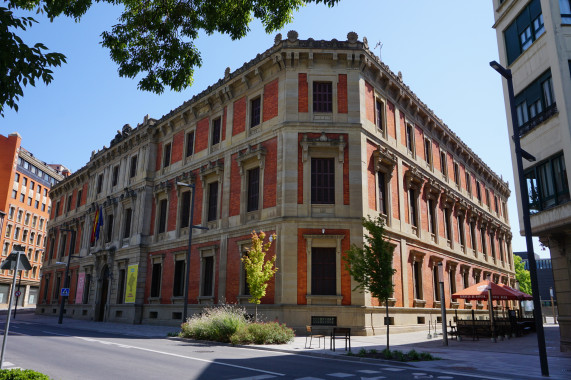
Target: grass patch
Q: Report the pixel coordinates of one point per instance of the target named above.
(411, 356)
(229, 324)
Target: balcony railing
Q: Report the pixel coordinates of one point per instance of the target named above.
(538, 119)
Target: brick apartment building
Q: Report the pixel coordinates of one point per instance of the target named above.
(534, 42)
(25, 183)
(304, 140)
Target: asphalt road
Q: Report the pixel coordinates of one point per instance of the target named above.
(65, 353)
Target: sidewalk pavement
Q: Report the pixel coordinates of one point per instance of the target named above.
(512, 358)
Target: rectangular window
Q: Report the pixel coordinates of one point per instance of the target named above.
(167, 156)
(323, 271)
(382, 193)
(452, 280)
(11, 213)
(322, 181)
(78, 200)
(57, 287)
(68, 204)
(487, 197)
(133, 167)
(483, 240)
(524, 30)
(22, 197)
(443, 164)
(547, 184)
(189, 144)
(99, 183)
(428, 152)
(17, 178)
(447, 224)
(478, 191)
(322, 97)
(14, 194)
(24, 181)
(27, 219)
(179, 278)
(253, 189)
(121, 286)
(29, 201)
(409, 138)
(62, 245)
(412, 207)
(536, 103)
(417, 277)
(456, 174)
(465, 279)
(212, 201)
(115, 175)
(162, 216)
(8, 230)
(216, 131)
(431, 216)
(109, 235)
(379, 115)
(185, 210)
(255, 111)
(208, 276)
(156, 280)
(127, 223)
(32, 184)
(37, 204)
(468, 183)
(461, 236)
(473, 236)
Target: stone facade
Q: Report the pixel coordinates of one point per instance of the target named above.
(540, 63)
(303, 141)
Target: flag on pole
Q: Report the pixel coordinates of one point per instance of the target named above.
(97, 223)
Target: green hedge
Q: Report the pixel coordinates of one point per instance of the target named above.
(21, 374)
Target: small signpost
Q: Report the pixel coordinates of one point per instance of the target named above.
(18, 293)
(16, 261)
(65, 292)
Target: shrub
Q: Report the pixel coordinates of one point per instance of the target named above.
(217, 324)
(386, 353)
(362, 352)
(413, 355)
(263, 333)
(398, 355)
(21, 374)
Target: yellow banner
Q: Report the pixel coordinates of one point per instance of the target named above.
(131, 288)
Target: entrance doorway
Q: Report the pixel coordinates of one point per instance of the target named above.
(103, 290)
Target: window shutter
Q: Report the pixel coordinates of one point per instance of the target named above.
(511, 38)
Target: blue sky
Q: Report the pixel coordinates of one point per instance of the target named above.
(442, 47)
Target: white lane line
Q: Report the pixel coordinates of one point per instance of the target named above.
(167, 353)
(260, 377)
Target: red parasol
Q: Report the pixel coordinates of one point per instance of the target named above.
(522, 296)
(479, 291)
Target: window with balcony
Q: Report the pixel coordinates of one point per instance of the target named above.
(547, 184)
(536, 103)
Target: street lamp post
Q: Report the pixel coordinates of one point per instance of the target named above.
(519, 153)
(66, 280)
(190, 228)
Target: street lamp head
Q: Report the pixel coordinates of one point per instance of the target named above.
(506, 73)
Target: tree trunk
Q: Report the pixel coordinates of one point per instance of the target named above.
(387, 321)
(256, 314)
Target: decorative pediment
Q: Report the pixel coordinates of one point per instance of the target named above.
(414, 178)
(323, 141)
(449, 198)
(212, 168)
(257, 153)
(433, 189)
(416, 255)
(384, 159)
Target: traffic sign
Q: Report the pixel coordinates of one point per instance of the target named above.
(64, 292)
(18, 293)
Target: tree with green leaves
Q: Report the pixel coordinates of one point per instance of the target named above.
(154, 38)
(259, 270)
(522, 275)
(372, 265)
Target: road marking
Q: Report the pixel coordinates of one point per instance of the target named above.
(261, 377)
(368, 371)
(166, 353)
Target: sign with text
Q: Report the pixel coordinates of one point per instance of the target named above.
(80, 286)
(131, 288)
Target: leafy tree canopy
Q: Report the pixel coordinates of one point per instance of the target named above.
(259, 270)
(153, 38)
(371, 266)
(522, 275)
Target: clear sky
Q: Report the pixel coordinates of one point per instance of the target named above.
(442, 47)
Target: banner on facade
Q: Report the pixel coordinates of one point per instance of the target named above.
(131, 288)
(79, 289)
